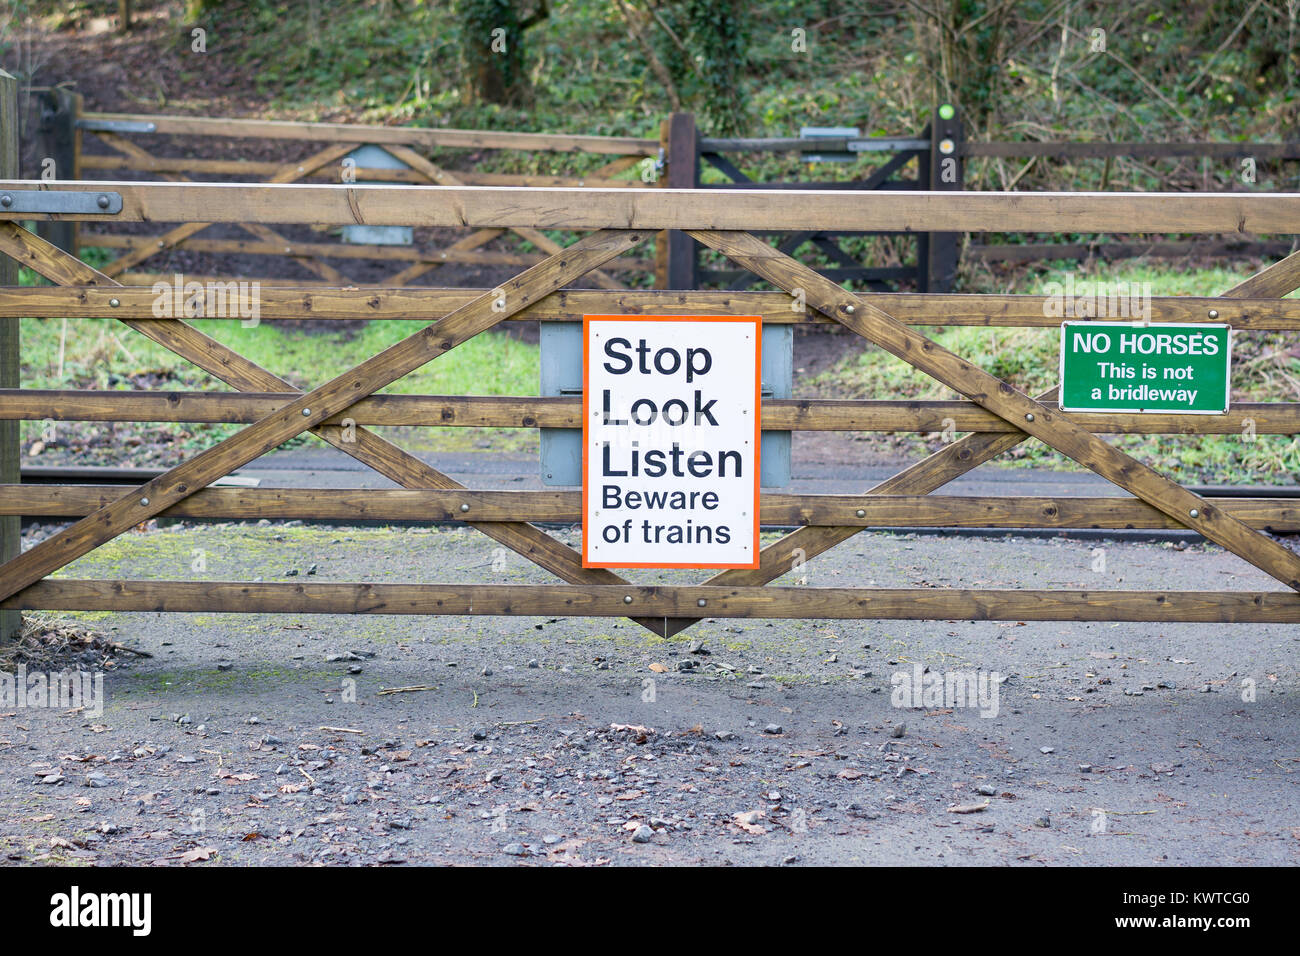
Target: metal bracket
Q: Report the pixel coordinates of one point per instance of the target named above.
(78, 202)
(117, 126)
(886, 145)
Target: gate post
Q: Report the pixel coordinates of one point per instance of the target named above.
(675, 259)
(59, 139)
(11, 622)
(945, 174)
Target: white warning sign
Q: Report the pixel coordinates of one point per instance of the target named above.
(671, 430)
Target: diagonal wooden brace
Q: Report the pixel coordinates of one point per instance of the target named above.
(1009, 403)
(290, 172)
(949, 463)
(324, 402)
(439, 176)
(232, 368)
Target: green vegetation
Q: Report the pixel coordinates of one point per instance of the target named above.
(1264, 369)
(1033, 69)
(92, 353)
(98, 354)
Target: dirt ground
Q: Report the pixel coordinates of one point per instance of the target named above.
(300, 739)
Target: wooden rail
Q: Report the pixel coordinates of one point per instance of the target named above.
(995, 414)
(489, 411)
(427, 138)
(655, 209)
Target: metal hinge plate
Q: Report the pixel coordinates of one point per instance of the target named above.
(79, 202)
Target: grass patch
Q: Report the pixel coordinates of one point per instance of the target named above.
(99, 354)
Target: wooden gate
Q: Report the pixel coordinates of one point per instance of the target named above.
(997, 415)
(65, 131)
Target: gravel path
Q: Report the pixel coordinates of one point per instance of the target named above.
(276, 739)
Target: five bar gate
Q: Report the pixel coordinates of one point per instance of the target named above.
(997, 415)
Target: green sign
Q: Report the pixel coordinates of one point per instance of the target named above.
(1121, 367)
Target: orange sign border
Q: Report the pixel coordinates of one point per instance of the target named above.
(757, 322)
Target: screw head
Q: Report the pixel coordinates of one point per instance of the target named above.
(1214, 313)
(1194, 513)
(627, 599)
(306, 412)
(464, 507)
(861, 513)
(6, 200)
(114, 303)
(702, 603)
(1029, 417)
(144, 501)
(850, 309)
(102, 202)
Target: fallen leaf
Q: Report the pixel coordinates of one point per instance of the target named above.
(197, 854)
(631, 728)
(969, 807)
(241, 777)
(748, 821)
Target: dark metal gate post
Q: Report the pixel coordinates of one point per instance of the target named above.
(945, 174)
(677, 255)
(59, 144)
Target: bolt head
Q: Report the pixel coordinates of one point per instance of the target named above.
(6, 200)
(850, 309)
(306, 412)
(701, 602)
(1029, 417)
(114, 303)
(1214, 313)
(1194, 513)
(627, 599)
(144, 501)
(102, 202)
(464, 507)
(861, 513)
